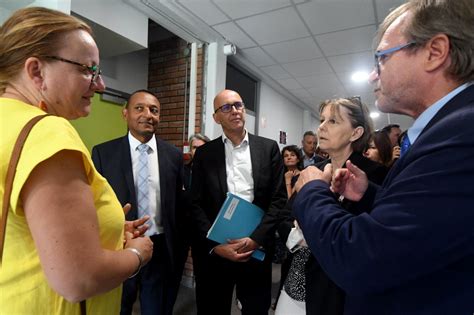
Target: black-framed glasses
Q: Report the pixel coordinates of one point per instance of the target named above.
(94, 70)
(380, 55)
(228, 107)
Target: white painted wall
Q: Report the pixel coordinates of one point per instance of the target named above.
(277, 113)
(310, 122)
(126, 73)
(215, 72)
(405, 122)
(116, 16)
(7, 7)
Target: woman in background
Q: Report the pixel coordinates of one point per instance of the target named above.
(293, 162)
(380, 149)
(65, 230)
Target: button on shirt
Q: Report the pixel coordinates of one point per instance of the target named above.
(154, 209)
(238, 165)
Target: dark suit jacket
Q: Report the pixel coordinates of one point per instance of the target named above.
(112, 159)
(209, 186)
(414, 252)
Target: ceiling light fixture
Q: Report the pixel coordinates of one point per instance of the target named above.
(374, 115)
(360, 76)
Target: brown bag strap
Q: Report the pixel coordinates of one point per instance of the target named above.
(83, 308)
(11, 175)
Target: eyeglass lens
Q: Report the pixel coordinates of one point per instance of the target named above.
(94, 70)
(381, 54)
(228, 107)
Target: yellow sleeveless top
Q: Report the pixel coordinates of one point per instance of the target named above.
(23, 285)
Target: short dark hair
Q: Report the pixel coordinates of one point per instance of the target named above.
(308, 133)
(140, 91)
(387, 129)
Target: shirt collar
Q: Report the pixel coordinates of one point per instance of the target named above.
(225, 139)
(134, 142)
(420, 123)
(312, 157)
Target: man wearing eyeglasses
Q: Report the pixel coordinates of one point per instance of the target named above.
(413, 251)
(252, 168)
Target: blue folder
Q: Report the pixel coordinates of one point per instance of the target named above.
(237, 218)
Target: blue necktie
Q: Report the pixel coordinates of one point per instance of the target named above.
(405, 145)
(142, 184)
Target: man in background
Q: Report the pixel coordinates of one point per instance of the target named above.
(308, 148)
(147, 172)
(250, 167)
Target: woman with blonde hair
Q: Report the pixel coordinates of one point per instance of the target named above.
(64, 240)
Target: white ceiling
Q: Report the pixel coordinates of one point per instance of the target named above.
(308, 48)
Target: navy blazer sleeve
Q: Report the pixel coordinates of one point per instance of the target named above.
(96, 159)
(420, 221)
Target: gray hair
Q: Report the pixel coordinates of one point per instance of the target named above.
(454, 18)
(197, 136)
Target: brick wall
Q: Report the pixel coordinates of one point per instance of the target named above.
(167, 78)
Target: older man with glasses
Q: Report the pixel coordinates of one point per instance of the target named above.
(413, 252)
(252, 168)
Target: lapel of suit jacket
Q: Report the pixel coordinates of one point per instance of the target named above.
(163, 168)
(255, 157)
(127, 169)
(221, 165)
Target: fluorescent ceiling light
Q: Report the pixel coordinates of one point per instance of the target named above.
(360, 76)
(374, 115)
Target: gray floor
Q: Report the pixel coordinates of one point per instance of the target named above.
(186, 301)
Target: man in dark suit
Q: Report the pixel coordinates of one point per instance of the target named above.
(252, 168)
(308, 149)
(413, 252)
(118, 161)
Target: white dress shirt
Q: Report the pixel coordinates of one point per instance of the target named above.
(238, 165)
(154, 209)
